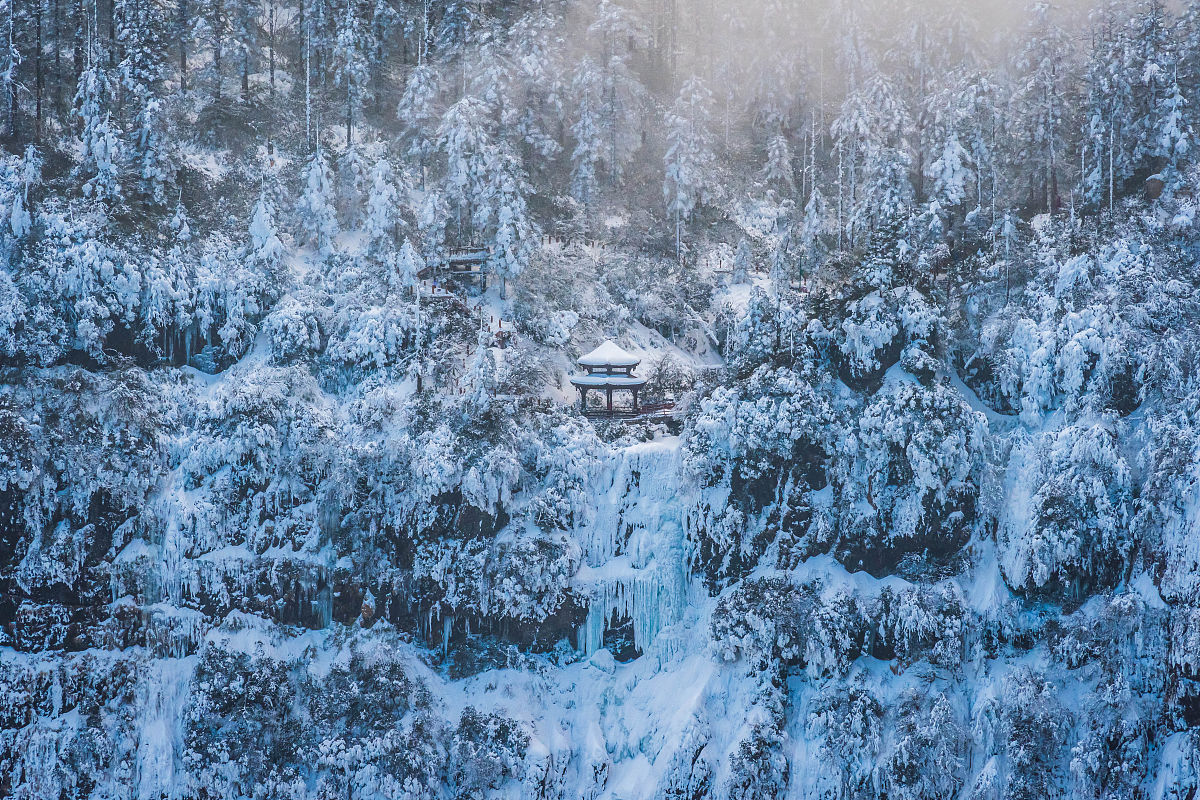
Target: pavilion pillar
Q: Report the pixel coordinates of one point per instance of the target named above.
(609, 401)
(582, 399)
(635, 391)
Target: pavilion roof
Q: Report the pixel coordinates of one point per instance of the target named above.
(609, 354)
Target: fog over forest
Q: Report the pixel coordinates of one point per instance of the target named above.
(603, 399)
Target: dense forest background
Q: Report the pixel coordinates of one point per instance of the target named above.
(288, 511)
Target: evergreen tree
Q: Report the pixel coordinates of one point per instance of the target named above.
(265, 247)
(417, 114)
(102, 151)
(585, 157)
(689, 157)
(1041, 114)
(351, 65)
(408, 266)
(778, 169)
(465, 140)
(352, 186)
(382, 202)
(618, 33)
(314, 207)
(742, 263)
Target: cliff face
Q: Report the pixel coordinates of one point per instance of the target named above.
(688, 615)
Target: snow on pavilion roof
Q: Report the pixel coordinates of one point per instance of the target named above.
(609, 355)
(608, 381)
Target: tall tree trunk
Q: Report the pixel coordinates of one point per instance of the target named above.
(218, 44)
(57, 38)
(78, 42)
(271, 45)
(12, 83)
(38, 81)
(182, 33)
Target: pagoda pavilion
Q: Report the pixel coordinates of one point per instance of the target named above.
(608, 368)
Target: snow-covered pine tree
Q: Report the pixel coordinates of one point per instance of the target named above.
(265, 247)
(417, 113)
(464, 138)
(507, 216)
(1175, 134)
(778, 171)
(351, 64)
(585, 157)
(742, 262)
(383, 201)
(407, 270)
(142, 36)
(814, 228)
(1042, 155)
(689, 157)
(20, 217)
(314, 207)
(619, 33)
(102, 151)
(10, 60)
(352, 186)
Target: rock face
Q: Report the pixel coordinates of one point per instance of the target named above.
(1154, 187)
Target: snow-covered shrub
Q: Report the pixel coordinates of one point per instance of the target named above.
(835, 631)
(373, 338)
(370, 730)
(85, 452)
(1166, 520)
(774, 624)
(848, 725)
(1122, 634)
(868, 321)
(1034, 727)
(12, 316)
(531, 575)
(753, 435)
(1074, 534)
(908, 480)
(295, 327)
(522, 580)
(265, 444)
(927, 759)
(486, 751)
(1035, 364)
(920, 622)
(563, 462)
(1110, 758)
(242, 729)
(69, 721)
(759, 768)
(77, 275)
(772, 330)
(763, 621)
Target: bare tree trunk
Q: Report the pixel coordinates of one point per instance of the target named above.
(78, 41)
(182, 33)
(271, 45)
(38, 81)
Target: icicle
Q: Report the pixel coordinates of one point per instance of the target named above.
(648, 584)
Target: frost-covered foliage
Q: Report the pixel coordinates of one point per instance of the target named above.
(298, 500)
